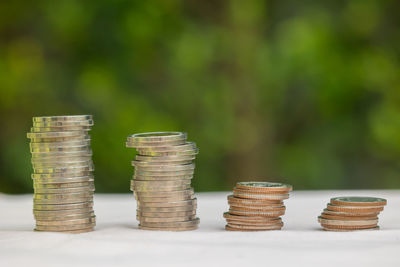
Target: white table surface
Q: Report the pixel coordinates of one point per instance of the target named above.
(118, 242)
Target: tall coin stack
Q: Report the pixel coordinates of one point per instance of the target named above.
(62, 179)
(162, 181)
(352, 213)
(256, 206)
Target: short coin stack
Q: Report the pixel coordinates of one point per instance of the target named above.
(352, 213)
(162, 181)
(256, 206)
(62, 179)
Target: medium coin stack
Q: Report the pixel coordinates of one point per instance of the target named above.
(162, 181)
(256, 206)
(62, 173)
(352, 213)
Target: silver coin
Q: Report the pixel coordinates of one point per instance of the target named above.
(65, 170)
(179, 203)
(160, 189)
(63, 207)
(165, 194)
(57, 129)
(62, 201)
(143, 219)
(189, 152)
(64, 227)
(64, 190)
(171, 214)
(60, 175)
(85, 142)
(63, 123)
(62, 213)
(56, 134)
(168, 183)
(156, 137)
(84, 148)
(163, 199)
(64, 217)
(183, 147)
(166, 168)
(62, 196)
(51, 165)
(63, 180)
(193, 222)
(63, 118)
(162, 178)
(62, 185)
(140, 172)
(155, 144)
(61, 155)
(49, 140)
(170, 209)
(91, 219)
(61, 159)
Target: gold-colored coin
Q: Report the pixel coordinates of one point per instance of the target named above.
(65, 227)
(63, 118)
(63, 207)
(91, 219)
(165, 219)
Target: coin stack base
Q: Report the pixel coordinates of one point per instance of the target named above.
(161, 183)
(352, 213)
(62, 179)
(256, 206)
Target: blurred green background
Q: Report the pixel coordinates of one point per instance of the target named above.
(306, 92)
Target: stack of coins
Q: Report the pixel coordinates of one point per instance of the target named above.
(256, 206)
(352, 213)
(162, 181)
(62, 173)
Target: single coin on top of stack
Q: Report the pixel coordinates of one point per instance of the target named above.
(62, 173)
(352, 213)
(256, 206)
(161, 183)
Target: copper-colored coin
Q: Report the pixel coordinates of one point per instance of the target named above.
(171, 219)
(265, 187)
(262, 196)
(334, 217)
(257, 213)
(359, 201)
(253, 202)
(245, 191)
(257, 223)
(355, 223)
(255, 219)
(230, 227)
(349, 214)
(354, 209)
(349, 230)
(326, 226)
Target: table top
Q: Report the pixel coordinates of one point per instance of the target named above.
(118, 242)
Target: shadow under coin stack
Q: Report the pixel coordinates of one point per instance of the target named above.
(62, 180)
(256, 206)
(352, 213)
(162, 181)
